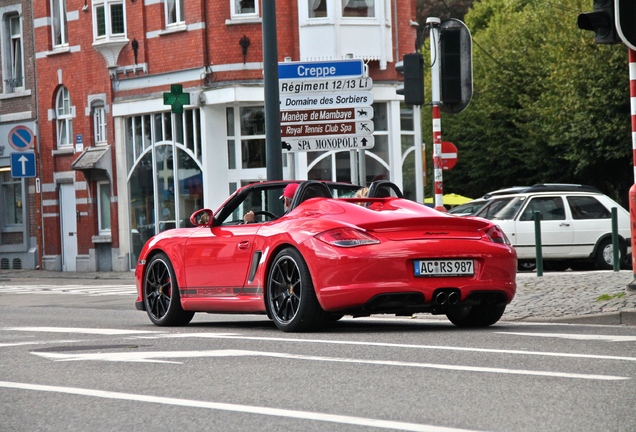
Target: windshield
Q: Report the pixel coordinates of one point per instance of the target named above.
(501, 208)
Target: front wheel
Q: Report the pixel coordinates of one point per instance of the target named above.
(161, 294)
(290, 299)
(473, 316)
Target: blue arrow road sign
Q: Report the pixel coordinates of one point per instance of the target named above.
(321, 69)
(22, 165)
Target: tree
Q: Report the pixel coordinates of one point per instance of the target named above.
(549, 105)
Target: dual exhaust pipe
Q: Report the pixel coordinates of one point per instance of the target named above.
(447, 298)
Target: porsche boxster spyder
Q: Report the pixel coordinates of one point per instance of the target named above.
(327, 254)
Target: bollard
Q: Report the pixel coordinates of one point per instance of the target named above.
(537, 238)
(615, 246)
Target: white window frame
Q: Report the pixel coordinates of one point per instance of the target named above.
(15, 78)
(99, 124)
(235, 8)
(64, 118)
(108, 20)
(58, 20)
(103, 225)
(179, 8)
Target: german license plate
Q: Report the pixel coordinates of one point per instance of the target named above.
(444, 268)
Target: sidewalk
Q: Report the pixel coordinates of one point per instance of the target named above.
(591, 297)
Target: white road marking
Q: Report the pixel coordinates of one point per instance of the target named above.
(99, 331)
(387, 345)
(153, 356)
(3, 345)
(249, 409)
(604, 338)
(91, 290)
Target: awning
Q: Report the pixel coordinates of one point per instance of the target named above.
(450, 199)
(96, 163)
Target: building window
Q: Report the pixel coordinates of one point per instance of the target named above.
(109, 19)
(99, 124)
(63, 115)
(14, 61)
(103, 207)
(317, 8)
(12, 202)
(244, 8)
(175, 12)
(165, 185)
(252, 137)
(59, 25)
(358, 8)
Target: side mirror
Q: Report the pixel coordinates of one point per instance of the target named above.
(202, 217)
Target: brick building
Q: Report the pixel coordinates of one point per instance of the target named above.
(19, 211)
(117, 166)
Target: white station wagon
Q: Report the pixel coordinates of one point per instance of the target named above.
(576, 225)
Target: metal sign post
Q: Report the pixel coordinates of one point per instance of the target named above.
(437, 121)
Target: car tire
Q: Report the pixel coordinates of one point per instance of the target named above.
(290, 298)
(605, 256)
(474, 316)
(526, 265)
(161, 294)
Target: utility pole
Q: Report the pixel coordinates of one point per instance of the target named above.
(273, 146)
(437, 120)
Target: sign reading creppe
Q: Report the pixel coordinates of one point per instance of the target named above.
(326, 69)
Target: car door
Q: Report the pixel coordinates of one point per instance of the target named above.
(217, 259)
(556, 228)
(590, 221)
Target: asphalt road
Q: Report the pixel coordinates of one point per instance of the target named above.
(77, 361)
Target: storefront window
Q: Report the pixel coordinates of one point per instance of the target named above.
(165, 181)
(12, 201)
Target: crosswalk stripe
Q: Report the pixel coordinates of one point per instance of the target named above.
(102, 290)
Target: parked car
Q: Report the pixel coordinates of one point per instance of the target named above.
(330, 254)
(575, 224)
(472, 207)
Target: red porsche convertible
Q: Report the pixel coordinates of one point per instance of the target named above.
(323, 254)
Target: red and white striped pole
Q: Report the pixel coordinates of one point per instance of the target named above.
(437, 159)
(437, 121)
(632, 190)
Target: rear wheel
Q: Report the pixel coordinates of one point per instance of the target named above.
(290, 299)
(605, 255)
(481, 315)
(161, 294)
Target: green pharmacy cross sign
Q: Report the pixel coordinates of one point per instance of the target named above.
(176, 98)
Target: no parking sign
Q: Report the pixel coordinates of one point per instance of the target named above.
(21, 138)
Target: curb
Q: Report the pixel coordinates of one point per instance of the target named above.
(624, 317)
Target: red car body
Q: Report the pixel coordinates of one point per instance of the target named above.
(325, 258)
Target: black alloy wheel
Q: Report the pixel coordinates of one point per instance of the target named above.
(161, 294)
(290, 299)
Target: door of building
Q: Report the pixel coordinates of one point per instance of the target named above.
(68, 216)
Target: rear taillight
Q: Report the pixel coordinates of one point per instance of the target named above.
(496, 235)
(347, 237)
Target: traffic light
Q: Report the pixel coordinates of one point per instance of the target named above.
(412, 67)
(601, 22)
(456, 67)
(626, 21)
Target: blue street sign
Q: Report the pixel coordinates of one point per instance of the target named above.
(23, 165)
(21, 138)
(321, 69)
